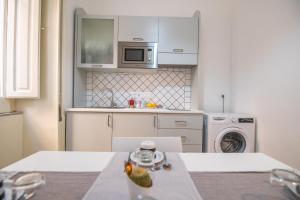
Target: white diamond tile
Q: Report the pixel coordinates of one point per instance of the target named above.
(168, 86)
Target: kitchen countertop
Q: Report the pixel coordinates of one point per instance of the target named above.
(133, 110)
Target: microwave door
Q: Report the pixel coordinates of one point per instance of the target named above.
(133, 55)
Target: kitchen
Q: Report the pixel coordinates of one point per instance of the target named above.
(134, 43)
(199, 87)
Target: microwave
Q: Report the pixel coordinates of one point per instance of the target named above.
(137, 55)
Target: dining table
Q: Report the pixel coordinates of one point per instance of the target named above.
(71, 174)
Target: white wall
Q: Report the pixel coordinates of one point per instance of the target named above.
(6, 105)
(41, 115)
(11, 139)
(215, 44)
(266, 73)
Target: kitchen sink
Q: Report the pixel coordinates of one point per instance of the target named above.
(115, 107)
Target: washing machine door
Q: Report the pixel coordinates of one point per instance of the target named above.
(231, 140)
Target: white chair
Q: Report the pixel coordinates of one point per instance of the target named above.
(164, 144)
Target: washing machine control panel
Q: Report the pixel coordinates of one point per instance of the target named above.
(246, 120)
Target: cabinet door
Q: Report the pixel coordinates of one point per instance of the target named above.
(23, 49)
(178, 34)
(134, 125)
(89, 131)
(96, 43)
(192, 148)
(138, 29)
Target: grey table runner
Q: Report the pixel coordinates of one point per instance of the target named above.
(211, 186)
(176, 184)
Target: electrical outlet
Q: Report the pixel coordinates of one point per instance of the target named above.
(221, 96)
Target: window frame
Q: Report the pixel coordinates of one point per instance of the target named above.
(3, 12)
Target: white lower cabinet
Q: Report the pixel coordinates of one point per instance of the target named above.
(93, 131)
(187, 126)
(134, 124)
(191, 148)
(88, 131)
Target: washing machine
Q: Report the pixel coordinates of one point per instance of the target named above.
(228, 133)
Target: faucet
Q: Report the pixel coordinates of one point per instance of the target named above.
(112, 103)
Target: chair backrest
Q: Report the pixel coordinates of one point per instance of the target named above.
(164, 144)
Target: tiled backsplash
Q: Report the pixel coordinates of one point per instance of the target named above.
(168, 86)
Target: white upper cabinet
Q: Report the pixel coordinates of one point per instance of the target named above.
(23, 49)
(178, 40)
(96, 41)
(138, 29)
(178, 35)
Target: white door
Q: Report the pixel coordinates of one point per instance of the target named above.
(23, 49)
(178, 35)
(232, 140)
(138, 29)
(89, 131)
(134, 125)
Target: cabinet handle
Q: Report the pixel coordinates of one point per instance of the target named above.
(178, 50)
(109, 121)
(137, 39)
(177, 122)
(154, 121)
(181, 123)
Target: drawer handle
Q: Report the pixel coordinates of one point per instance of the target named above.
(137, 39)
(181, 123)
(177, 50)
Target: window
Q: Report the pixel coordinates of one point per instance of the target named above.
(19, 37)
(2, 44)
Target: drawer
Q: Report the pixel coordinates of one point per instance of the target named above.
(180, 121)
(191, 148)
(188, 136)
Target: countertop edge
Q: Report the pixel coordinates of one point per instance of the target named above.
(10, 113)
(130, 110)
